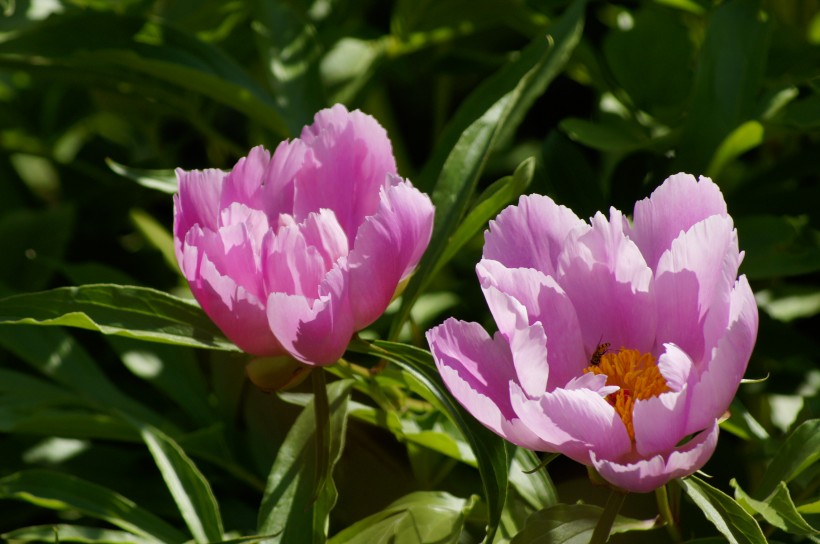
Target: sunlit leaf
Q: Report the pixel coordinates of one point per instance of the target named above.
(164, 181)
(800, 450)
(778, 509)
(572, 524)
(289, 510)
(418, 518)
(74, 533)
(134, 312)
(58, 491)
(728, 516)
(191, 491)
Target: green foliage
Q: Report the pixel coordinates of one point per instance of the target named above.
(133, 436)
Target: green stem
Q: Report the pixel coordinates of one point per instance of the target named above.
(322, 413)
(662, 499)
(613, 506)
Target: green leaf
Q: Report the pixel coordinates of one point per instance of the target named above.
(164, 181)
(191, 491)
(288, 508)
(58, 491)
(778, 509)
(291, 50)
(127, 48)
(572, 524)
(486, 118)
(729, 517)
(66, 424)
(744, 138)
(800, 450)
(55, 354)
(74, 533)
(727, 80)
(603, 137)
(534, 487)
(492, 201)
(417, 518)
(134, 312)
(156, 235)
(490, 450)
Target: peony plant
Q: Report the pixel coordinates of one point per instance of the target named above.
(620, 344)
(293, 252)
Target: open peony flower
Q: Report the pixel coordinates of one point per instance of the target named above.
(619, 345)
(290, 254)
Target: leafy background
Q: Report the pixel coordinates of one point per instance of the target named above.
(111, 438)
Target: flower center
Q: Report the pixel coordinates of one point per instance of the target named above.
(636, 374)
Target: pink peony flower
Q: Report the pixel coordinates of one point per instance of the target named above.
(290, 254)
(619, 345)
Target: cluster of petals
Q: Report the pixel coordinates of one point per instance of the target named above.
(293, 252)
(665, 284)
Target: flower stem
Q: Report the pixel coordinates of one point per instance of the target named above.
(322, 414)
(613, 506)
(662, 498)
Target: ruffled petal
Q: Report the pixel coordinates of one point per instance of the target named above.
(388, 247)
(291, 266)
(197, 202)
(573, 422)
(610, 287)
(672, 208)
(315, 331)
(660, 422)
(647, 475)
(694, 280)
(530, 234)
(243, 184)
(545, 304)
(351, 156)
(478, 369)
(713, 392)
(278, 183)
(238, 313)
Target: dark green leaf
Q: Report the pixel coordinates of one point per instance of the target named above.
(778, 246)
(486, 118)
(534, 487)
(191, 491)
(289, 510)
(417, 518)
(801, 450)
(122, 47)
(572, 524)
(727, 80)
(134, 312)
(66, 424)
(778, 509)
(729, 517)
(604, 137)
(74, 533)
(59, 491)
(489, 449)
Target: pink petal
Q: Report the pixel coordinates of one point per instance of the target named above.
(197, 202)
(717, 385)
(388, 247)
(672, 208)
(239, 314)
(531, 234)
(322, 231)
(477, 370)
(660, 422)
(291, 266)
(693, 284)
(315, 331)
(610, 286)
(351, 157)
(647, 475)
(244, 182)
(573, 422)
(545, 303)
(277, 192)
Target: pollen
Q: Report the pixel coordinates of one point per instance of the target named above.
(638, 377)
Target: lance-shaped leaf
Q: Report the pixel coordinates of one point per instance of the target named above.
(572, 524)
(778, 509)
(191, 491)
(733, 522)
(291, 511)
(134, 312)
(487, 117)
(59, 491)
(490, 450)
(801, 449)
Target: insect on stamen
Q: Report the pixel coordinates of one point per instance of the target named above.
(600, 349)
